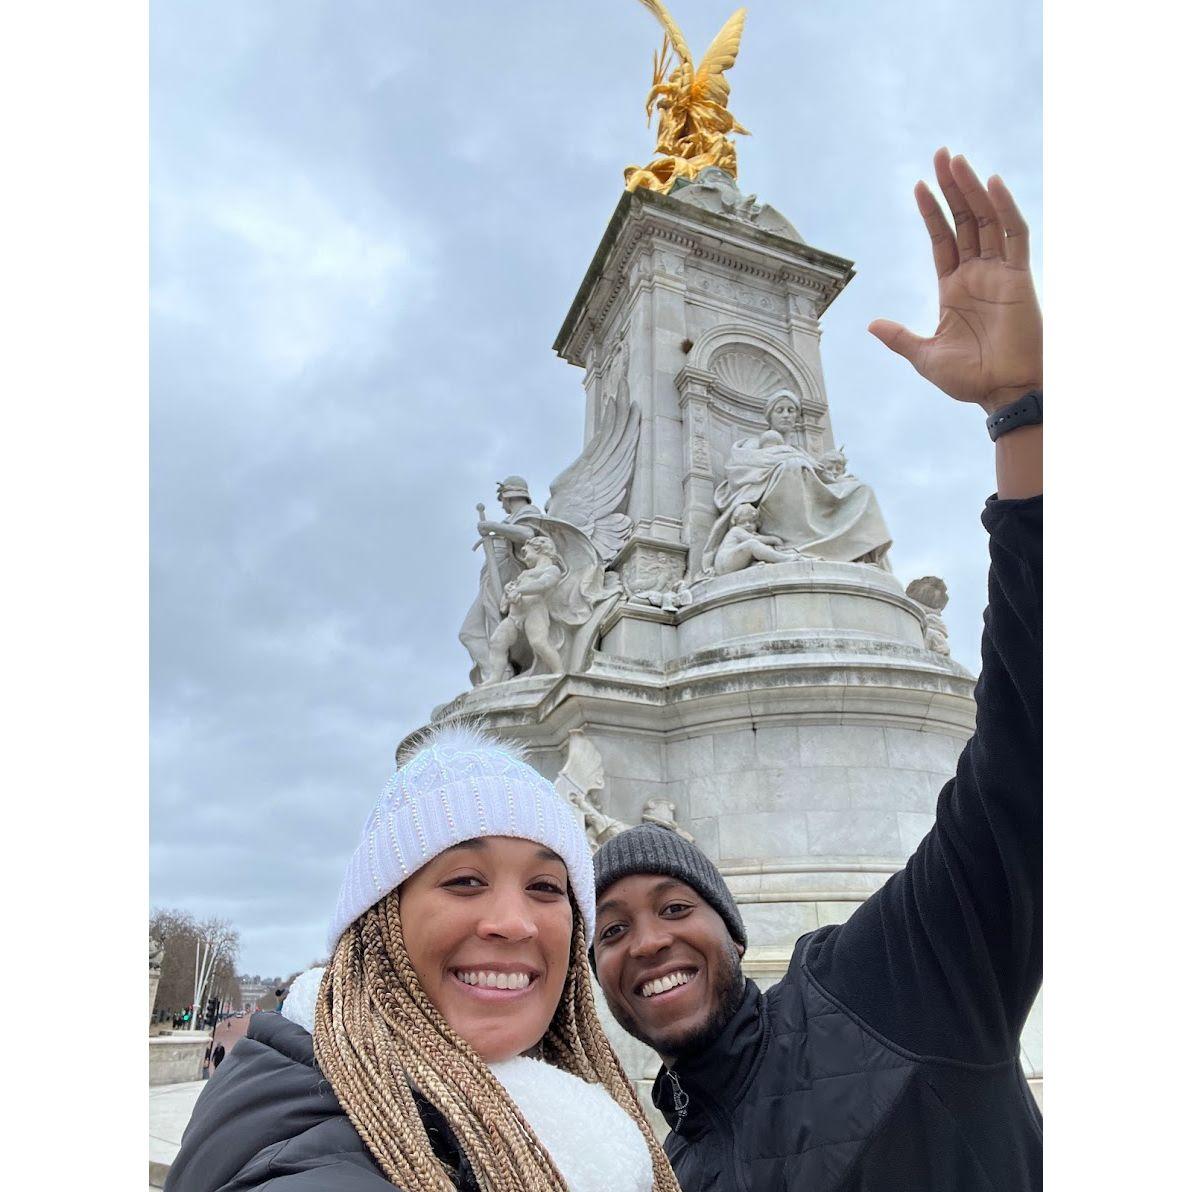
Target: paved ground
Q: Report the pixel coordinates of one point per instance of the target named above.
(230, 1030)
(169, 1111)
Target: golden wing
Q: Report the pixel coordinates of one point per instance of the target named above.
(673, 31)
(710, 83)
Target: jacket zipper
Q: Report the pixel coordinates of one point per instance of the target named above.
(681, 1099)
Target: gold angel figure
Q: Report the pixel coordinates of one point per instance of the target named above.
(693, 120)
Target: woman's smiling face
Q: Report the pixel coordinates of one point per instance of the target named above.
(487, 925)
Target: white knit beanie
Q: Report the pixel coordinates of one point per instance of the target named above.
(458, 785)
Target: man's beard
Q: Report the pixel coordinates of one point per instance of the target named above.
(727, 995)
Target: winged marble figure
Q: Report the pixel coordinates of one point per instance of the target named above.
(694, 122)
(592, 493)
(523, 624)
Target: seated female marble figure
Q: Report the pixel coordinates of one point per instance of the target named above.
(807, 504)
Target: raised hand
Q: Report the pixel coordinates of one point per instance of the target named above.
(988, 347)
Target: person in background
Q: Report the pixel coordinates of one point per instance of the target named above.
(886, 1058)
(452, 1040)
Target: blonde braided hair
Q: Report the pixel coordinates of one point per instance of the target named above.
(377, 1035)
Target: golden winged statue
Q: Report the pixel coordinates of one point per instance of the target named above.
(693, 118)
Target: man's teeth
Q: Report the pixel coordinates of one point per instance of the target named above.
(662, 984)
(488, 980)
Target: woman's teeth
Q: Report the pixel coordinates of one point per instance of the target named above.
(662, 984)
(486, 980)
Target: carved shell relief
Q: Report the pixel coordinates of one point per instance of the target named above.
(749, 371)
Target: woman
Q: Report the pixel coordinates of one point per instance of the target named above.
(453, 1041)
(804, 501)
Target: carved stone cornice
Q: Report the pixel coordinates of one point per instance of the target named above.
(643, 221)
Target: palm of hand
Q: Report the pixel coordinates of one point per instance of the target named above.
(988, 347)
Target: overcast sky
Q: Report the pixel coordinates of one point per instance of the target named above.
(368, 220)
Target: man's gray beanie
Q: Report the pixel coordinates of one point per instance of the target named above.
(649, 848)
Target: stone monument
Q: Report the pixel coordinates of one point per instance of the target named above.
(156, 955)
(703, 627)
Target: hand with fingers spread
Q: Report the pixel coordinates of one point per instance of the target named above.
(988, 347)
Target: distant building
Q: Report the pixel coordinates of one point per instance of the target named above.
(251, 993)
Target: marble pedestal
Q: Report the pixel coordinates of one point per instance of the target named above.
(177, 1057)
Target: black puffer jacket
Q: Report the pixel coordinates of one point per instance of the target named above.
(269, 1118)
(886, 1059)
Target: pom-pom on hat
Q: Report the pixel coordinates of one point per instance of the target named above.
(457, 785)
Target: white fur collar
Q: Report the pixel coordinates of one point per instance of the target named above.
(595, 1144)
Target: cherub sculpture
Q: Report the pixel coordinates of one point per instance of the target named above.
(742, 545)
(693, 118)
(930, 593)
(525, 603)
(662, 813)
(833, 466)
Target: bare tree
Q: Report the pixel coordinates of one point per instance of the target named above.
(176, 930)
(187, 941)
(216, 948)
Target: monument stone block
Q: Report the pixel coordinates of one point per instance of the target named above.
(756, 834)
(773, 923)
(893, 790)
(805, 788)
(853, 833)
(842, 745)
(912, 827)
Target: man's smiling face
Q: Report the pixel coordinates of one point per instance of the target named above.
(669, 969)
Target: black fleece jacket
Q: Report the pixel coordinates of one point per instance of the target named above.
(887, 1056)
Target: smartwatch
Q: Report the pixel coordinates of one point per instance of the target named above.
(1026, 411)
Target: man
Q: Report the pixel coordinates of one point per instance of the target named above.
(887, 1056)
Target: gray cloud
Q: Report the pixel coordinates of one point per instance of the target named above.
(368, 220)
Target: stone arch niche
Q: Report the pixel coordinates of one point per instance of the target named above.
(732, 373)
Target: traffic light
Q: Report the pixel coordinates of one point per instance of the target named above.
(212, 1011)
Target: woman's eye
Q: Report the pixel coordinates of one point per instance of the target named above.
(465, 882)
(547, 886)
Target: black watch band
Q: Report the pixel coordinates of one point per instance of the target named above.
(1026, 411)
